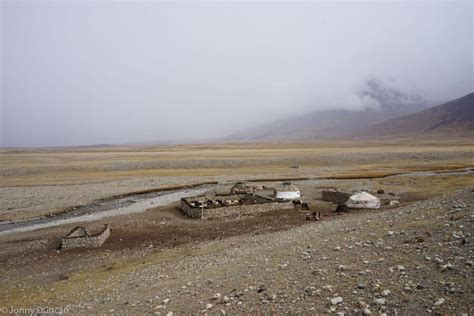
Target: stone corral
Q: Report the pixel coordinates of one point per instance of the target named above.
(79, 237)
(202, 207)
(335, 196)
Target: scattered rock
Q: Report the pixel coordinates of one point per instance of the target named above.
(447, 266)
(439, 301)
(385, 292)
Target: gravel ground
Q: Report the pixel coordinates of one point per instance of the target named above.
(411, 260)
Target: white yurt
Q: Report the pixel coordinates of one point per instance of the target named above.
(363, 200)
(287, 191)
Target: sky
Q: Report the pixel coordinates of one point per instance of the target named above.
(108, 72)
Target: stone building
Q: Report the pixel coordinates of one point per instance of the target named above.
(243, 188)
(79, 237)
(335, 196)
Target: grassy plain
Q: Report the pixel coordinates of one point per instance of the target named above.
(79, 165)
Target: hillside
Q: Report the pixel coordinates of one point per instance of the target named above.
(455, 117)
(319, 124)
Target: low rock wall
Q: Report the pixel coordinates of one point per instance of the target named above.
(86, 241)
(233, 211)
(335, 196)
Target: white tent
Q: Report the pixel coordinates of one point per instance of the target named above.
(287, 191)
(363, 200)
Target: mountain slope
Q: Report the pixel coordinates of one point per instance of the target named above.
(321, 124)
(328, 123)
(454, 117)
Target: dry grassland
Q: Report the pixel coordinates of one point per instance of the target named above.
(44, 181)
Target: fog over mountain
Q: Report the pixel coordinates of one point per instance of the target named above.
(95, 72)
(387, 98)
(382, 102)
(451, 118)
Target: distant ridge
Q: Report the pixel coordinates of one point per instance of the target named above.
(451, 118)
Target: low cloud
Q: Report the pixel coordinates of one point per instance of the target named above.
(380, 95)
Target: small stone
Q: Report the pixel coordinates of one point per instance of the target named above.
(226, 299)
(216, 296)
(209, 306)
(448, 266)
(400, 268)
(380, 301)
(336, 300)
(366, 311)
(386, 292)
(439, 301)
(341, 267)
(361, 286)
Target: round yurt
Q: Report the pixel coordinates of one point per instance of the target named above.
(287, 191)
(363, 200)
